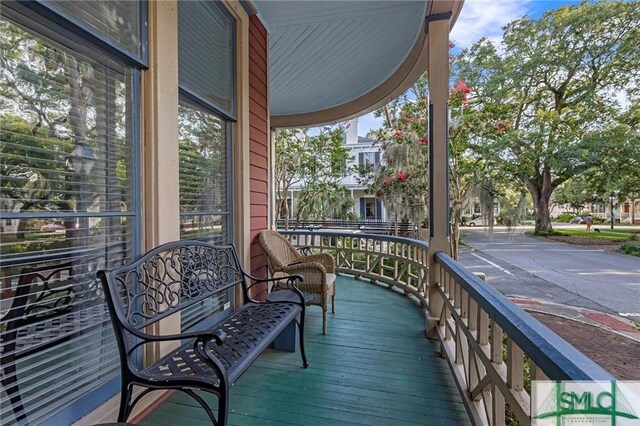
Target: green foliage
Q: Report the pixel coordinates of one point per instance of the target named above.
(400, 180)
(616, 159)
(630, 249)
(317, 163)
(565, 217)
(555, 82)
(202, 149)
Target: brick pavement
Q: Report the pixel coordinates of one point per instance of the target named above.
(616, 353)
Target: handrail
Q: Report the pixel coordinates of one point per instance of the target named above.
(368, 225)
(356, 234)
(397, 262)
(559, 359)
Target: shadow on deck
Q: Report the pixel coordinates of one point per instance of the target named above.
(374, 367)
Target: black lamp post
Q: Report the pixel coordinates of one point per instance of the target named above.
(82, 159)
(611, 200)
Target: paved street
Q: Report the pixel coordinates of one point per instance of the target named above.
(518, 265)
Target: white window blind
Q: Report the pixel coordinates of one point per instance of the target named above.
(69, 207)
(205, 40)
(118, 21)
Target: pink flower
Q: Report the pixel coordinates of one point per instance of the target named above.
(462, 87)
(399, 134)
(401, 176)
(424, 140)
(463, 90)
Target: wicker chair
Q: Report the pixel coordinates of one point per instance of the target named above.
(318, 270)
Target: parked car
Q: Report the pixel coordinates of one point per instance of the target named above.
(479, 220)
(55, 226)
(577, 219)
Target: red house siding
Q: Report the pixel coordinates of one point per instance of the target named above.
(258, 141)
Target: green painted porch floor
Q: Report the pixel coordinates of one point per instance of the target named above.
(374, 367)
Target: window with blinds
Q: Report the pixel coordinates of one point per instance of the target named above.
(206, 53)
(206, 74)
(203, 181)
(68, 206)
(117, 20)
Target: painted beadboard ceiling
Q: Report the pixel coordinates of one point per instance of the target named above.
(327, 53)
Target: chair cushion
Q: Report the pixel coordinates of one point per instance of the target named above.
(331, 279)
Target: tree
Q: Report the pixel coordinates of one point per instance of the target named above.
(286, 172)
(576, 192)
(616, 159)
(317, 163)
(401, 180)
(555, 81)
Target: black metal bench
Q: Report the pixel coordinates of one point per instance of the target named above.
(171, 278)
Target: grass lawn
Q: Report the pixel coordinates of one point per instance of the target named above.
(604, 233)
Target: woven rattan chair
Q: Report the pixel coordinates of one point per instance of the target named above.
(318, 270)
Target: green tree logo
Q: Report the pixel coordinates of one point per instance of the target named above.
(585, 403)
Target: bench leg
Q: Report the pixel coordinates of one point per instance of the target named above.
(223, 407)
(333, 303)
(305, 363)
(125, 401)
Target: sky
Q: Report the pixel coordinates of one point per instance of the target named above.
(481, 18)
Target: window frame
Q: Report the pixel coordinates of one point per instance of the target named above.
(44, 22)
(60, 21)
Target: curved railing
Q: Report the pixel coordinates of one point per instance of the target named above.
(494, 348)
(400, 263)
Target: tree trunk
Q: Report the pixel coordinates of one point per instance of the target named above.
(541, 194)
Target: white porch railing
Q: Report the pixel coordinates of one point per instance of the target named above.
(493, 347)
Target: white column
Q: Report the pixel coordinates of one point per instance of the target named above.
(438, 39)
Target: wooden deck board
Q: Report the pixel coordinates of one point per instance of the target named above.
(374, 367)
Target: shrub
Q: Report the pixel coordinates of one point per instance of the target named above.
(565, 217)
(630, 249)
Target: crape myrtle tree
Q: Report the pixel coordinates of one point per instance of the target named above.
(555, 80)
(401, 179)
(317, 163)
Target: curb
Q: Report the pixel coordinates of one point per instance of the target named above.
(612, 323)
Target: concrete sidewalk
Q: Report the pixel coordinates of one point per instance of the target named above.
(611, 341)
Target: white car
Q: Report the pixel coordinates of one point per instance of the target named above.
(478, 220)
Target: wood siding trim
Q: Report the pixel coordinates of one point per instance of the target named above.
(258, 142)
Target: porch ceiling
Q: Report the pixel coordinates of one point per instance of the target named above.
(332, 60)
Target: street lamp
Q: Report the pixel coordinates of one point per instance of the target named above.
(612, 199)
(82, 159)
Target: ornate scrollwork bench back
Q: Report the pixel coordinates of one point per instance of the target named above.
(171, 278)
